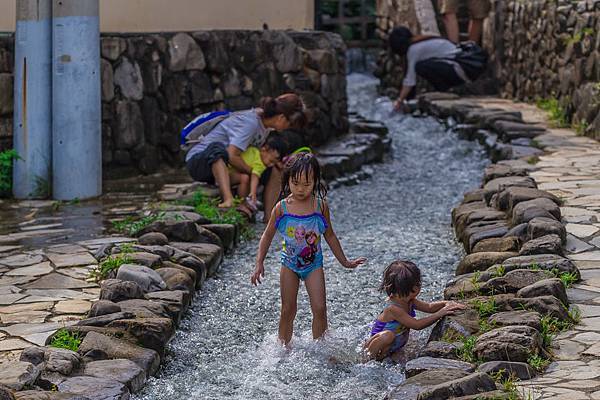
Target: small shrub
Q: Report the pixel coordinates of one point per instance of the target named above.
(110, 264)
(538, 362)
(574, 314)
(6, 169)
(467, 351)
(550, 326)
(485, 308)
(499, 271)
(567, 278)
(451, 336)
(63, 339)
(485, 326)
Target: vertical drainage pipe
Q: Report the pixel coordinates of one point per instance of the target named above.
(32, 134)
(76, 124)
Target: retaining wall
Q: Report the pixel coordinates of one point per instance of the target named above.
(153, 84)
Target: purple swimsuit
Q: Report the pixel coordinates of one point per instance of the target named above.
(400, 330)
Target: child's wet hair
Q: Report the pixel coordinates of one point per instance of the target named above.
(400, 278)
(299, 165)
(275, 143)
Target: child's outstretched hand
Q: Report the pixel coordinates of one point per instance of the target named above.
(354, 263)
(259, 272)
(451, 307)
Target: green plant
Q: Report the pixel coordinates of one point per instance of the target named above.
(574, 314)
(63, 339)
(536, 144)
(6, 166)
(581, 127)
(110, 264)
(451, 336)
(567, 278)
(485, 308)
(467, 351)
(538, 362)
(131, 226)
(499, 271)
(485, 326)
(535, 267)
(533, 160)
(550, 326)
(558, 115)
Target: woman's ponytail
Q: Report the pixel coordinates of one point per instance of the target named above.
(290, 105)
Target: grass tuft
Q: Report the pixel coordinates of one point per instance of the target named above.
(485, 308)
(538, 362)
(6, 166)
(131, 226)
(111, 263)
(558, 116)
(63, 339)
(467, 351)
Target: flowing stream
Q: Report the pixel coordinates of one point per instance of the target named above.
(226, 348)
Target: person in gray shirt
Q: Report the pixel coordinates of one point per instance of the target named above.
(431, 57)
(207, 161)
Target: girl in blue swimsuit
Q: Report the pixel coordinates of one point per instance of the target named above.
(302, 218)
(390, 331)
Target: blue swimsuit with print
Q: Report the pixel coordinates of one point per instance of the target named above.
(301, 240)
(399, 330)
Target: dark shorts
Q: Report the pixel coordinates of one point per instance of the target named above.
(200, 165)
(440, 74)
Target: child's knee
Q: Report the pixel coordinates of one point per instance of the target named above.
(388, 336)
(319, 311)
(288, 311)
(244, 178)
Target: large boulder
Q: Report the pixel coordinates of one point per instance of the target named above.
(6, 393)
(185, 231)
(541, 226)
(472, 236)
(527, 210)
(145, 258)
(185, 54)
(226, 232)
(438, 349)
(422, 364)
(152, 333)
(116, 290)
(547, 262)
(461, 287)
(510, 197)
(147, 279)
(62, 361)
(125, 371)
(103, 307)
(482, 261)
(412, 387)
(145, 308)
(514, 280)
(497, 244)
(40, 395)
(501, 183)
(544, 305)
(509, 343)
(548, 244)
(176, 279)
(18, 374)
(507, 369)
(211, 255)
(153, 239)
(190, 272)
(95, 388)
(547, 287)
(455, 327)
(517, 317)
(473, 384)
(147, 359)
(103, 320)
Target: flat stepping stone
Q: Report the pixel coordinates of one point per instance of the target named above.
(72, 307)
(33, 270)
(58, 281)
(587, 256)
(77, 272)
(65, 293)
(8, 299)
(6, 249)
(66, 249)
(71, 260)
(107, 240)
(34, 317)
(13, 344)
(95, 388)
(581, 230)
(15, 280)
(40, 227)
(575, 245)
(23, 330)
(18, 308)
(18, 374)
(21, 260)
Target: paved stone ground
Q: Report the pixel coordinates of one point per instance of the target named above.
(571, 170)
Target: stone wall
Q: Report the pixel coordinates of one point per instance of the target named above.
(153, 84)
(550, 49)
(539, 49)
(6, 91)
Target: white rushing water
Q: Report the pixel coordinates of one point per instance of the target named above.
(226, 347)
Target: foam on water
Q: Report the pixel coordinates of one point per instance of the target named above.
(227, 349)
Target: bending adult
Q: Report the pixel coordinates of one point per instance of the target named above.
(478, 12)
(431, 57)
(208, 160)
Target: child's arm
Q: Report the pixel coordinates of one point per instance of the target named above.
(263, 246)
(334, 243)
(434, 306)
(254, 179)
(412, 323)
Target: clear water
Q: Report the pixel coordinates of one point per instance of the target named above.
(227, 349)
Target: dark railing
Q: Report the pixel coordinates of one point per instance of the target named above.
(354, 20)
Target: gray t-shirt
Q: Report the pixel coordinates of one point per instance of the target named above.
(241, 129)
(430, 48)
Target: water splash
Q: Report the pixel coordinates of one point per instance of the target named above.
(227, 349)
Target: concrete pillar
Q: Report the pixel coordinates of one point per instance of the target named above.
(76, 107)
(32, 133)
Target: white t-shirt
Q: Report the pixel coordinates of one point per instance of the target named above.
(426, 49)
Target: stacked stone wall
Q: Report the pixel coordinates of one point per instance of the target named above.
(549, 49)
(153, 84)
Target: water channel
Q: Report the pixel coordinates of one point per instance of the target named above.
(226, 348)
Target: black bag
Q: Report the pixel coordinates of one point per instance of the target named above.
(472, 58)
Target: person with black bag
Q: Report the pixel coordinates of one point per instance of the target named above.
(437, 60)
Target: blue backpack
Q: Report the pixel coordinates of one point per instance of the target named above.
(199, 127)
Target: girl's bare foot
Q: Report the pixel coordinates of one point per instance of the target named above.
(226, 204)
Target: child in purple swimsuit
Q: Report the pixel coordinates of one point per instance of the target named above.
(302, 218)
(389, 332)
